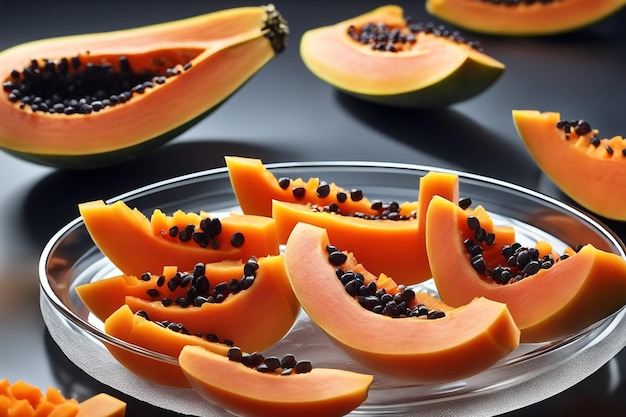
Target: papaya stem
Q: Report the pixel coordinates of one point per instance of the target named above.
(276, 28)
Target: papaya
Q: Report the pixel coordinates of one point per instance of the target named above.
(522, 18)
(255, 187)
(550, 296)
(216, 299)
(21, 399)
(383, 57)
(91, 100)
(244, 390)
(136, 244)
(390, 328)
(154, 345)
(591, 170)
(388, 237)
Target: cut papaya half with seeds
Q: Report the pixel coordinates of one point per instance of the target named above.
(522, 18)
(245, 390)
(387, 235)
(91, 100)
(550, 295)
(590, 169)
(136, 244)
(222, 299)
(382, 57)
(391, 328)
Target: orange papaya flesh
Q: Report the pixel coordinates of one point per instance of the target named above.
(244, 390)
(104, 296)
(136, 244)
(255, 187)
(589, 169)
(465, 341)
(228, 312)
(522, 18)
(163, 344)
(391, 245)
(22, 399)
(548, 303)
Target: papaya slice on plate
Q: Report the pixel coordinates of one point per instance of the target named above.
(549, 295)
(387, 236)
(414, 66)
(136, 244)
(145, 85)
(591, 170)
(388, 328)
(244, 390)
(522, 18)
(256, 187)
(155, 345)
(224, 299)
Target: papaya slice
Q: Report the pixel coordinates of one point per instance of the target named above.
(217, 299)
(22, 399)
(523, 18)
(163, 345)
(414, 66)
(589, 169)
(553, 301)
(393, 243)
(433, 343)
(255, 187)
(244, 390)
(136, 244)
(147, 85)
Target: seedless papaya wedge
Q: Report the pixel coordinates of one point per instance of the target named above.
(224, 299)
(589, 169)
(523, 18)
(136, 244)
(387, 239)
(440, 344)
(22, 399)
(553, 301)
(141, 87)
(379, 56)
(158, 340)
(246, 391)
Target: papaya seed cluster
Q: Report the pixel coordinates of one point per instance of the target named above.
(378, 300)
(382, 37)
(581, 128)
(287, 365)
(77, 86)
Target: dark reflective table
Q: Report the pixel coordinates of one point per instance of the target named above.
(286, 114)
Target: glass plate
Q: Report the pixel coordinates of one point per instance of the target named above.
(531, 373)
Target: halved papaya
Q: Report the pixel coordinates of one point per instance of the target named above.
(163, 345)
(548, 301)
(393, 243)
(96, 99)
(136, 244)
(21, 399)
(224, 299)
(433, 343)
(379, 56)
(522, 18)
(589, 169)
(244, 390)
